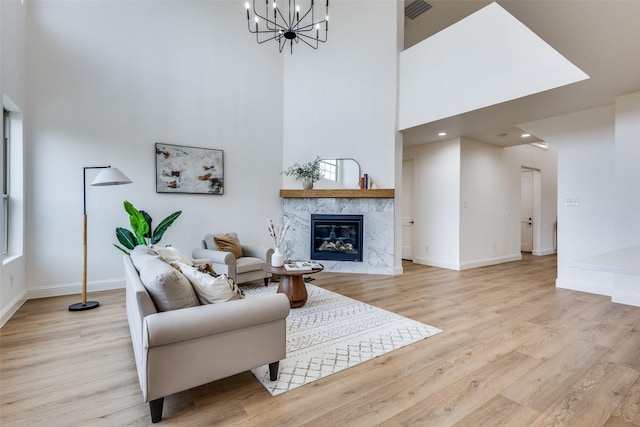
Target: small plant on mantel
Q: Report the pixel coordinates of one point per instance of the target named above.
(308, 173)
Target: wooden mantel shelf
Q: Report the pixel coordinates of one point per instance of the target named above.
(381, 193)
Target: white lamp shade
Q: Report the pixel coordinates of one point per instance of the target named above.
(111, 176)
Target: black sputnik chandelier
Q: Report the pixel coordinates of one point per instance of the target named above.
(291, 26)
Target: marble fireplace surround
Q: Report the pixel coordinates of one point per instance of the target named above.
(377, 208)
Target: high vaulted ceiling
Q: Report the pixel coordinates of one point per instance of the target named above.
(602, 38)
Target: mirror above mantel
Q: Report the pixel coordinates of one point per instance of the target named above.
(339, 173)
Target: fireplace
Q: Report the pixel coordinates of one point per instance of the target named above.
(336, 237)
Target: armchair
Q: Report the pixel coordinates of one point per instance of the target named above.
(242, 269)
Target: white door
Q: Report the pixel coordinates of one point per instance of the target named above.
(408, 206)
(526, 211)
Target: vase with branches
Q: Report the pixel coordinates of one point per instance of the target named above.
(277, 232)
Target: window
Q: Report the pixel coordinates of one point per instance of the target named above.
(5, 182)
(12, 176)
(329, 169)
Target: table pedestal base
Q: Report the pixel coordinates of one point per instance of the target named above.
(293, 287)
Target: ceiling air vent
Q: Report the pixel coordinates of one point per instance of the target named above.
(416, 8)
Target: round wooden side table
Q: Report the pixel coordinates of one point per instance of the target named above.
(291, 283)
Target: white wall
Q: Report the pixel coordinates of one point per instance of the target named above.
(437, 82)
(586, 174)
(340, 100)
(468, 207)
(109, 79)
(13, 36)
(597, 162)
(627, 185)
(437, 169)
(489, 206)
(545, 163)
(627, 173)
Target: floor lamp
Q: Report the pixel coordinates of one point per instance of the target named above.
(107, 176)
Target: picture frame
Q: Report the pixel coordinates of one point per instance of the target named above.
(192, 170)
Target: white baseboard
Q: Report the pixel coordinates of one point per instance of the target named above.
(626, 298)
(75, 288)
(543, 252)
(490, 261)
(576, 285)
(55, 291)
(470, 264)
(435, 263)
(618, 297)
(12, 307)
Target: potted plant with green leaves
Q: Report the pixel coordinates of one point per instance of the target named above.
(143, 233)
(308, 173)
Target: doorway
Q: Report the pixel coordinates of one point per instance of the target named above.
(526, 210)
(407, 213)
(530, 210)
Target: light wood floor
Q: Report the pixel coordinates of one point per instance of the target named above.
(515, 351)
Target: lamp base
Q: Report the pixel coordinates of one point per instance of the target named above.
(81, 307)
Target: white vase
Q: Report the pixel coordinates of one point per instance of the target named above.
(277, 258)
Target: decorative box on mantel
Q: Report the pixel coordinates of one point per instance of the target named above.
(377, 208)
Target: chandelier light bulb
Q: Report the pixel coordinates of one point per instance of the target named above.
(247, 5)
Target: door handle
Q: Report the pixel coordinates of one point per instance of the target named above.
(410, 222)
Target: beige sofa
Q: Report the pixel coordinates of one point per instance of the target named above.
(184, 348)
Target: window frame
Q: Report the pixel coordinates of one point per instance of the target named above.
(6, 199)
(329, 169)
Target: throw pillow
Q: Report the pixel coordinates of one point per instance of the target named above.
(140, 254)
(205, 267)
(171, 255)
(209, 288)
(168, 288)
(229, 244)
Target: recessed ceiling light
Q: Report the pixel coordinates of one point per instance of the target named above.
(525, 135)
(442, 134)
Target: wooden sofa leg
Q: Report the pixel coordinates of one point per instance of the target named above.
(155, 407)
(266, 281)
(273, 370)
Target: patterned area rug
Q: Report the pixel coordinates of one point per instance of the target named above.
(333, 332)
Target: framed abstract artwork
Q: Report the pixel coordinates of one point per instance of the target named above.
(182, 169)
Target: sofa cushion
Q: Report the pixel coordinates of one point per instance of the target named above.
(169, 289)
(247, 264)
(229, 243)
(210, 289)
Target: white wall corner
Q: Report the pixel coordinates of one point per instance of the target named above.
(11, 308)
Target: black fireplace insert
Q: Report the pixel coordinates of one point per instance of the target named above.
(336, 237)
